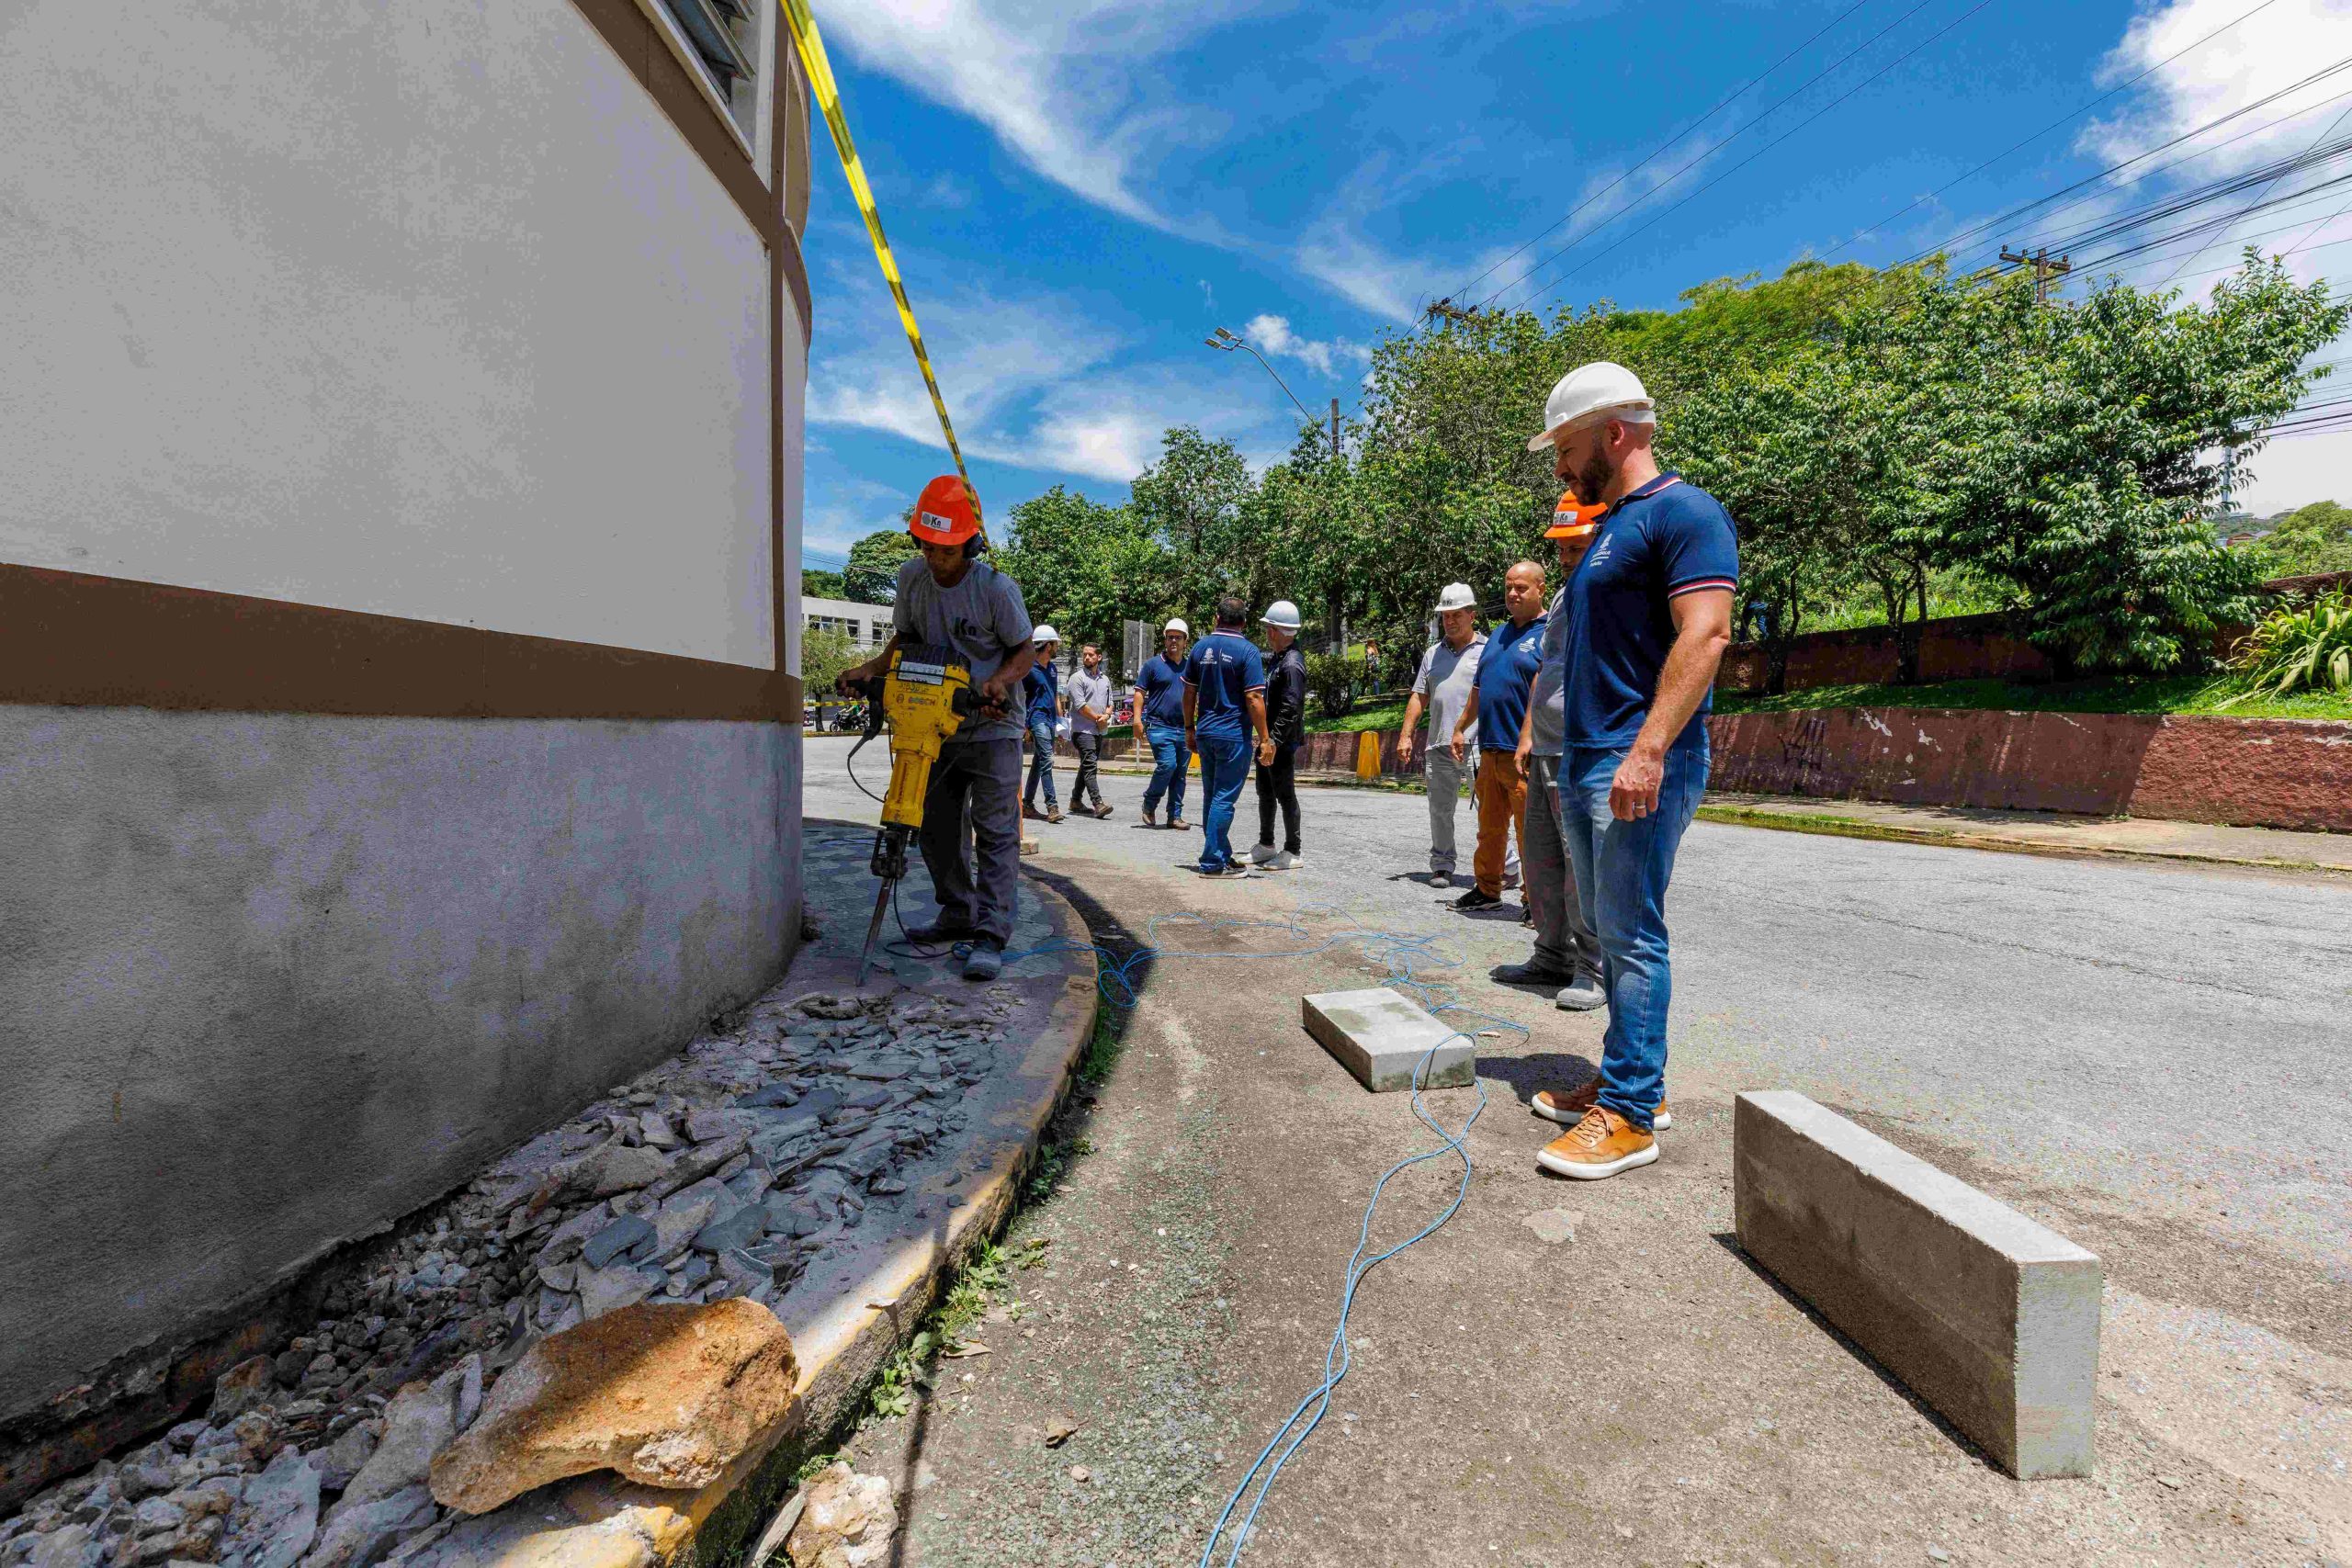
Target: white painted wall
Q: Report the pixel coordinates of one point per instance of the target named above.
(420, 308)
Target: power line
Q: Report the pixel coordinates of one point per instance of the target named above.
(1719, 179)
(2255, 205)
(2015, 214)
(1742, 91)
(2219, 190)
(2046, 130)
(1709, 152)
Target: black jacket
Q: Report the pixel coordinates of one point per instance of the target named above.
(1287, 696)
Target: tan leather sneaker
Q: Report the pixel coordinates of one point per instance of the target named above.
(1601, 1145)
(1569, 1106)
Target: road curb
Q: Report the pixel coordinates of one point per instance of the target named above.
(602, 1521)
(1831, 825)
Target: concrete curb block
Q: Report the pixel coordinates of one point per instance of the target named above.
(1989, 1316)
(602, 1521)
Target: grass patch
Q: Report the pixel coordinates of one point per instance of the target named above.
(2185, 695)
(1386, 715)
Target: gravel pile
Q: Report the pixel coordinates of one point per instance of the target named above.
(723, 1172)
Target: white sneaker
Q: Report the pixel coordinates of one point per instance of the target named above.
(1262, 854)
(1283, 859)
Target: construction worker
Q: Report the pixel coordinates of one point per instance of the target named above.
(1448, 673)
(1489, 723)
(1160, 724)
(1041, 690)
(1649, 615)
(1286, 721)
(1090, 716)
(1224, 680)
(1566, 955)
(971, 814)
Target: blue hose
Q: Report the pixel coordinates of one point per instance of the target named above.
(1404, 954)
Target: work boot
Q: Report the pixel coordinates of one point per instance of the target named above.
(1102, 809)
(1581, 995)
(1473, 900)
(1601, 1145)
(1570, 1106)
(1528, 973)
(1053, 812)
(986, 961)
(1150, 818)
(1262, 854)
(1180, 825)
(1029, 812)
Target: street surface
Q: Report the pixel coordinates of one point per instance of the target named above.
(2152, 1060)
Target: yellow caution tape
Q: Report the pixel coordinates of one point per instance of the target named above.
(829, 98)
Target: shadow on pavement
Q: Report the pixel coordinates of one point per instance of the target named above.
(1546, 1069)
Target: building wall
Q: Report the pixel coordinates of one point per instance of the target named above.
(399, 741)
(872, 622)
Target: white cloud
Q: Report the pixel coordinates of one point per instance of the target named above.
(1273, 334)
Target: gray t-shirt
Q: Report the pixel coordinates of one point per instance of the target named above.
(1445, 681)
(1543, 699)
(1085, 692)
(982, 619)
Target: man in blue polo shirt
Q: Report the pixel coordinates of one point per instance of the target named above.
(1649, 616)
(1042, 692)
(1160, 724)
(1224, 680)
(1490, 721)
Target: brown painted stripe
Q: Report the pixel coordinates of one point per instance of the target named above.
(85, 641)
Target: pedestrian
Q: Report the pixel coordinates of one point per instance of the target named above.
(1224, 681)
(1089, 714)
(971, 821)
(1649, 614)
(1160, 725)
(1041, 689)
(1566, 955)
(1488, 724)
(1286, 721)
(1448, 673)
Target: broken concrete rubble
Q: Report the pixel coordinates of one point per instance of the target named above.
(666, 1395)
(847, 1522)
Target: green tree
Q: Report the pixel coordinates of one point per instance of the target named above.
(1087, 567)
(819, 584)
(1191, 501)
(872, 577)
(825, 653)
(2307, 541)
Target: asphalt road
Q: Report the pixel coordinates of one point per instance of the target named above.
(2152, 1059)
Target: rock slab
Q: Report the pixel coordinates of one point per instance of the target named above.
(666, 1395)
(1984, 1314)
(847, 1523)
(1382, 1038)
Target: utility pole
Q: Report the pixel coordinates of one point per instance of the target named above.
(2044, 269)
(1445, 310)
(1335, 427)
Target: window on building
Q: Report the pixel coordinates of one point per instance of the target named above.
(724, 37)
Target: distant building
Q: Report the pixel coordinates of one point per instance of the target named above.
(869, 626)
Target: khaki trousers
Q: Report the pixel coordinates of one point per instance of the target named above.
(1502, 794)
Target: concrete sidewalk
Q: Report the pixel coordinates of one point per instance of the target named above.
(2038, 832)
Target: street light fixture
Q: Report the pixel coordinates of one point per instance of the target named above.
(1228, 342)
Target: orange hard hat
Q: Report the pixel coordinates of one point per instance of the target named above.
(1571, 520)
(947, 513)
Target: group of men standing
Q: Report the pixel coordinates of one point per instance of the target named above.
(1584, 713)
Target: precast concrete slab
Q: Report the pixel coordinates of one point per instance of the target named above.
(1989, 1316)
(1382, 1037)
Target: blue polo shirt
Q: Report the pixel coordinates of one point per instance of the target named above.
(1044, 685)
(1223, 669)
(1506, 675)
(1161, 687)
(1664, 540)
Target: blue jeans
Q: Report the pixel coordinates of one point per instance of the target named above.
(1041, 762)
(1224, 768)
(1622, 870)
(1169, 761)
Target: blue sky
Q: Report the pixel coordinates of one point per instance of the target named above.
(1078, 192)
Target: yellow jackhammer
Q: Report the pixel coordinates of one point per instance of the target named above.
(924, 693)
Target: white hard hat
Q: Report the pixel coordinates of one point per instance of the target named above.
(1457, 596)
(1591, 391)
(1045, 632)
(1281, 613)
(1178, 625)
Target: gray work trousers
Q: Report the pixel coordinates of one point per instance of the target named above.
(1564, 943)
(971, 817)
(1446, 779)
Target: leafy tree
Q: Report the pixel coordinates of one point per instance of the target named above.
(825, 653)
(2307, 541)
(1191, 501)
(819, 584)
(1087, 567)
(872, 577)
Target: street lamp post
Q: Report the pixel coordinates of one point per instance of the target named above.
(1227, 342)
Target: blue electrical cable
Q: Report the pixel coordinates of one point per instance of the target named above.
(1403, 953)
